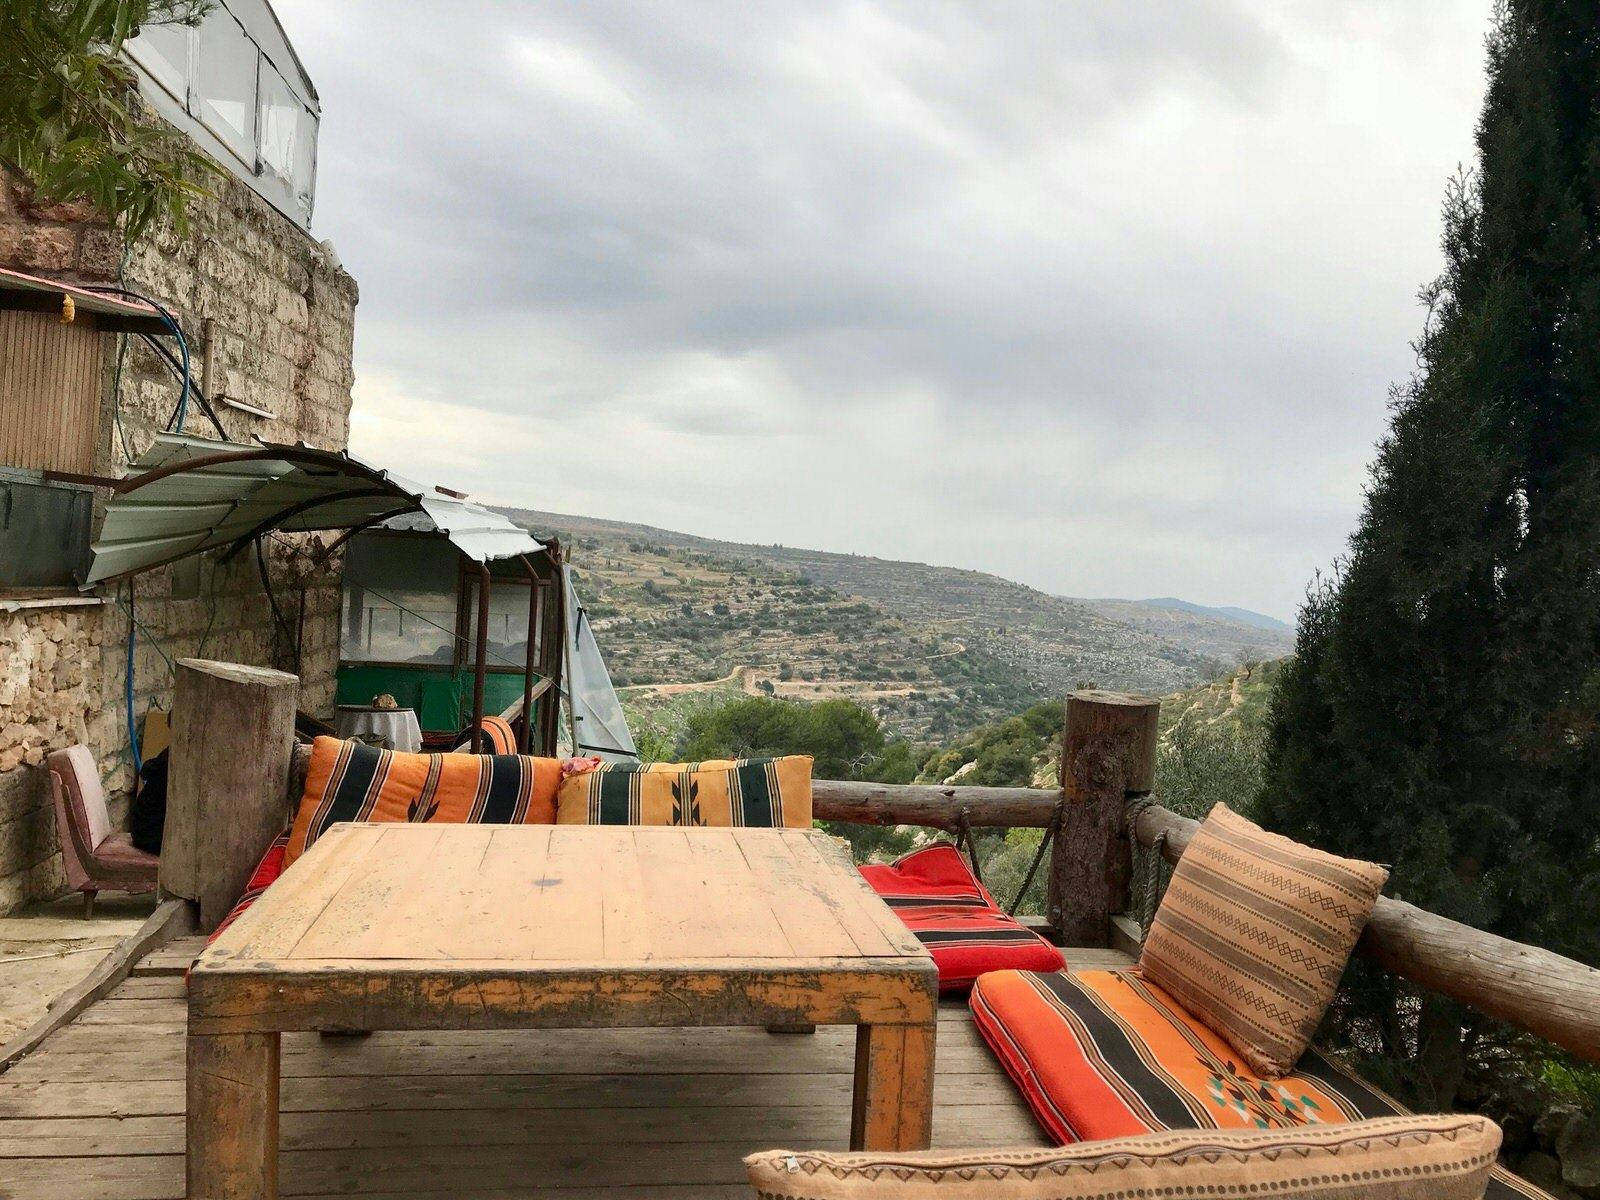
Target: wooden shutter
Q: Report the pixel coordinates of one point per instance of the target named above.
(50, 378)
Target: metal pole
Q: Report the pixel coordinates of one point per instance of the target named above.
(556, 623)
(525, 741)
(570, 641)
(480, 737)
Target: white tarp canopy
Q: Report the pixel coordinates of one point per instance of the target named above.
(598, 726)
(188, 494)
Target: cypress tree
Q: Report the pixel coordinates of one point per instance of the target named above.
(1442, 713)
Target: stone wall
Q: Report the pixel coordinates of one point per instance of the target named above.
(280, 314)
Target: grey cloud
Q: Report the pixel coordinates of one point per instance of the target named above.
(1080, 235)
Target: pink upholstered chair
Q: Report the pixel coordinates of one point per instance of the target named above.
(96, 859)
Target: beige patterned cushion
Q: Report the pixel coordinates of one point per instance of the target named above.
(1391, 1158)
(1253, 934)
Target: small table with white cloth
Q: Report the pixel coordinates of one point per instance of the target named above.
(397, 727)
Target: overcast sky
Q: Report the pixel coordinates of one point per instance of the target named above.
(1102, 297)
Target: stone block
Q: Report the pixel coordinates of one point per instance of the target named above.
(68, 211)
(1578, 1148)
(99, 253)
(37, 247)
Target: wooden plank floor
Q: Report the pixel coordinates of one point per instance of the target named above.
(97, 1112)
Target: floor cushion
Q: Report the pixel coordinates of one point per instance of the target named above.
(266, 873)
(1106, 1054)
(1253, 934)
(350, 781)
(759, 792)
(935, 893)
(1391, 1158)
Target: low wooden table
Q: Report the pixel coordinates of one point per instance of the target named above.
(497, 927)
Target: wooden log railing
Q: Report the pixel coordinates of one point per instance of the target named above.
(1109, 755)
(1553, 997)
(1109, 759)
(939, 806)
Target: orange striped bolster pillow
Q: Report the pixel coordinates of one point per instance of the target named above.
(349, 781)
(757, 792)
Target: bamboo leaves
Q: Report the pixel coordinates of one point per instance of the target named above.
(70, 119)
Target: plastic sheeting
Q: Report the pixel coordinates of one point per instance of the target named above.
(598, 724)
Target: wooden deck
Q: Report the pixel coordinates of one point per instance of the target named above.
(97, 1111)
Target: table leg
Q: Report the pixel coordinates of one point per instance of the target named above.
(893, 1107)
(232, 1122)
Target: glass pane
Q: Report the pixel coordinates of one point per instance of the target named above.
(280, 125)
(163, 51)
(508, 623)
(305, 162)
(288, 137)
(225, 83)
(399, 600)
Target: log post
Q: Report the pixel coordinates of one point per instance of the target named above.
(1108, 752)
(227, 783)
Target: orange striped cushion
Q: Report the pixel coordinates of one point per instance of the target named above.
(762, 792)
(1253, 934)
(1104, 1054)
(349, 781)
(502, 738)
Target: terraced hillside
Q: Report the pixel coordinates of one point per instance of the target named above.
(1227, 640)
(686, 621)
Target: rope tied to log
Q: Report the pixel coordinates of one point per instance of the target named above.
(967, 843)
(1050, 831)
(1147, 865)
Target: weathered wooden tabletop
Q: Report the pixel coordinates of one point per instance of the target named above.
(483, 927)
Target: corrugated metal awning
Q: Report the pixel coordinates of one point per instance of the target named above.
(29, 293)
(189, 494)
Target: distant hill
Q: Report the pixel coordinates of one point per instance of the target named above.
(686, 620)
(1224, 634)
(1242, 615)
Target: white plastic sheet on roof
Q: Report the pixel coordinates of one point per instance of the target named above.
(598, 723)
(221, 502)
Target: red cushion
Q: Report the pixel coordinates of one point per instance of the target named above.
(267, 870)
(936, 894)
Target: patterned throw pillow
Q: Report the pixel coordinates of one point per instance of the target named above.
(1391, 1158)
(1253, 934)
(349, 781)
(761, 792)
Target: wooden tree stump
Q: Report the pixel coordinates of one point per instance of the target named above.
(1108, 752)
(227, 785)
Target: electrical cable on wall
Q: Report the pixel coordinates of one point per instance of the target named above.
(175, 424)
(182, 413)
(177, 369)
